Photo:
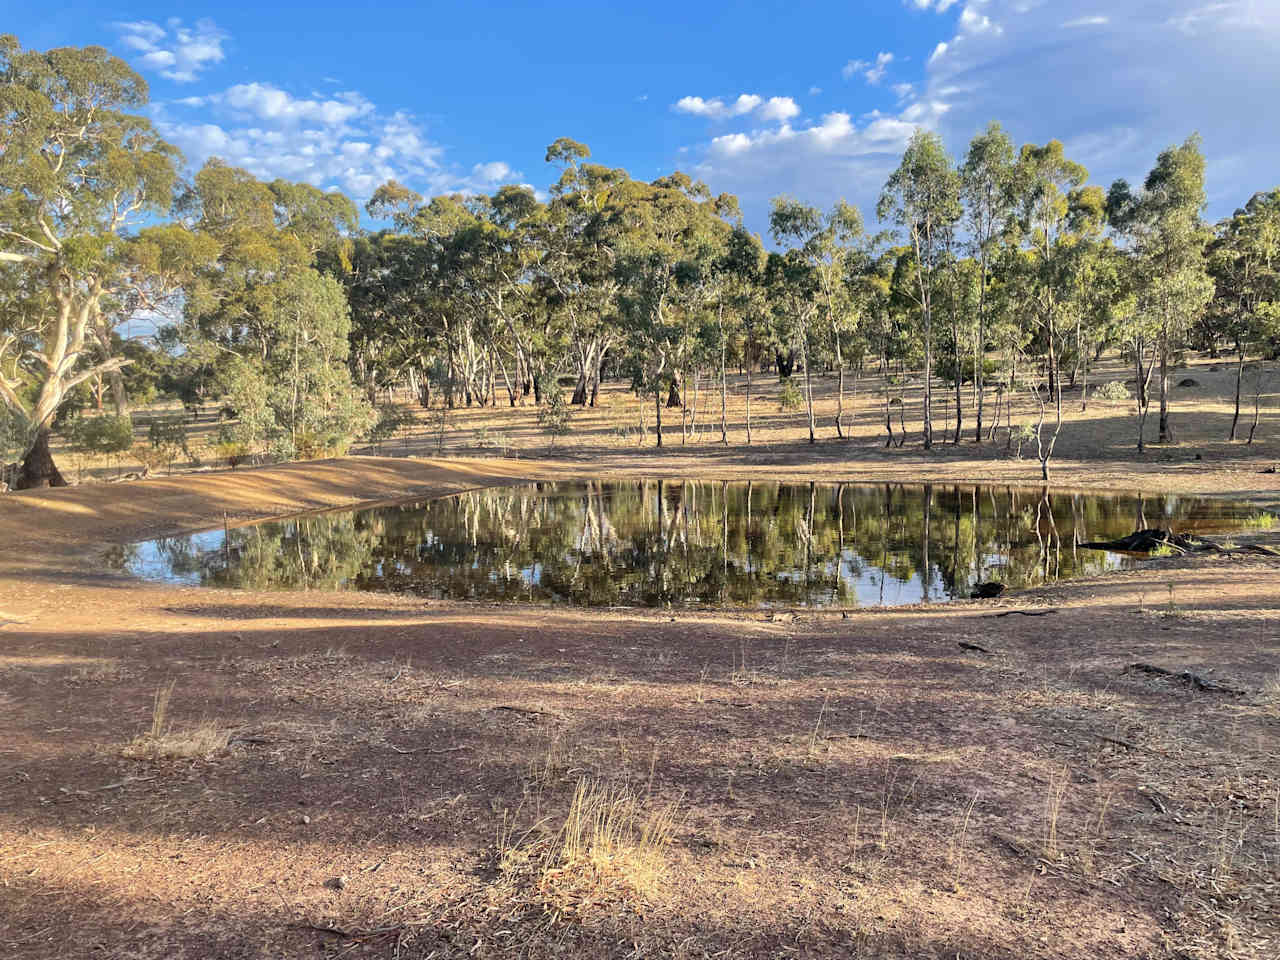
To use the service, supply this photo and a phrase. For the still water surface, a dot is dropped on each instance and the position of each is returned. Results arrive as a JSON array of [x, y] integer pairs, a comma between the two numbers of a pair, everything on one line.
[[654, 542]]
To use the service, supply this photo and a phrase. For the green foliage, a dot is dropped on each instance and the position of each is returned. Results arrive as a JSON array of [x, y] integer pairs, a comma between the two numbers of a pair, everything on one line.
[[13, 444], [1262, 521], [945, 367], [556, 417], [168, 437], [80, 177], [297, 400], [1112, 392], [438, 417], [104, 435], [392, 418], [790, 397]]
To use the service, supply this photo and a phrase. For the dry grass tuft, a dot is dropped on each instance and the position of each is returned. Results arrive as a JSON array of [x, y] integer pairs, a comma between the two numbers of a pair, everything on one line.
[[163, 742], [611, 842], [1271, 689]]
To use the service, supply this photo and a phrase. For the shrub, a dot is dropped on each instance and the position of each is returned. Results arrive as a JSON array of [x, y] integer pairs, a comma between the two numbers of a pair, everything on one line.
[[790, 397], [233, 452], [106, 436], [151, 458], [1113, 392], [392, 418], [439, 419], [556, 417], [168, 437]]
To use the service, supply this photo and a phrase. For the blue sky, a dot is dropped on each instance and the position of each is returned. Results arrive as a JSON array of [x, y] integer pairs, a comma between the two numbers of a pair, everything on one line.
[[813, 99]]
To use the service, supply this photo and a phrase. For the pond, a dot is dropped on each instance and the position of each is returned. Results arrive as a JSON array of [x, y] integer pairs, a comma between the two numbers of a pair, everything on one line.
[[656, 542]]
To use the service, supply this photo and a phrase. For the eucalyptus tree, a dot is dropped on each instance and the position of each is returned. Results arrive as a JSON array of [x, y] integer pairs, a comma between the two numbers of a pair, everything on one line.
[[987, 188], [580, 238], [830, 244], [469, 274], [742, 267], [1169, 241], [273, 328], [960, 294], [709, 282], [923, 198], [391, 340], [792, 283], [80, 178], [1056, 212], [504, 247], [1244, 261], [670, 232], [1104, 305]]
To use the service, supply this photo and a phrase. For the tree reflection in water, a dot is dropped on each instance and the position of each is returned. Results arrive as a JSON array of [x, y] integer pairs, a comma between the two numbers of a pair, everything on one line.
[[653, 542]]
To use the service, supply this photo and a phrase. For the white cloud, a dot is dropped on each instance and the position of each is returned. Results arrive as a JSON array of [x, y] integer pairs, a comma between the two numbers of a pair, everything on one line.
[[1115, 93], [717, 108], [343, 142], [814, 91], [971, 21], [494, 172], [775, 109], [1119, 92], [266, 102], [873, 73], [940, 6], [1210, 17], [778, 109], [179, 53], [699, 107], [821, 161]]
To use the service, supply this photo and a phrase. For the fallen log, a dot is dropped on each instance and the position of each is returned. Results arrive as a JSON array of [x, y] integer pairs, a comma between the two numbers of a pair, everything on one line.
[[1185, 676], [1152, 540], [1149, 541]]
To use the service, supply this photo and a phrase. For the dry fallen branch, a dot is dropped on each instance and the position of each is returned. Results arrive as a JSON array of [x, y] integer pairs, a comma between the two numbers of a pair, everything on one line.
[[352, 935], [1186, 676], [426, 750], [529, 711]]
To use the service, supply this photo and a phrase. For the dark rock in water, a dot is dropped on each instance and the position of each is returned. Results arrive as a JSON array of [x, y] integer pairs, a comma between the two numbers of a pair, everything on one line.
[[1215, 368], [1188, 382], [987, 591]]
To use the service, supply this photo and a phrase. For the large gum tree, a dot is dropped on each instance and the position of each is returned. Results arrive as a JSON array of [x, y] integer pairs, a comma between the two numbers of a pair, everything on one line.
[[78, 176], [922, 197]]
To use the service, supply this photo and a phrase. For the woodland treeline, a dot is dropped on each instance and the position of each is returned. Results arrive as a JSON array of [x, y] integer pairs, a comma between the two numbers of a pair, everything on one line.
[[1002, 276]]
